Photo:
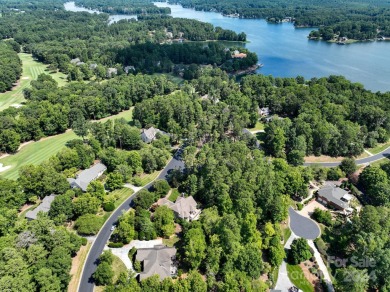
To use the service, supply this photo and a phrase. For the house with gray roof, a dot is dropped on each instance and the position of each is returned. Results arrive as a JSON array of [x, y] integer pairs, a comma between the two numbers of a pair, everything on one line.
[[129, 68], [75, 61], [184, 208], [158, 260], [149, 135], [44, 207], [111, 72], [334, 196], [84, 178]]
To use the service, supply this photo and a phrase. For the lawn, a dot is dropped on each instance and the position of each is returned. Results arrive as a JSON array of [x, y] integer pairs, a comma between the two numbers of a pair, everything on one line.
[[37, 152], [119, 196], [171, 241], [31, 70], [173, 196], [118, 267], [379, 148], [297, 277], [259, 127], [147, 178]]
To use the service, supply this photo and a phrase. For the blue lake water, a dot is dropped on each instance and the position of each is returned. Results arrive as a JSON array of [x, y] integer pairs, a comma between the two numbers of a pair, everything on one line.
[[286, 52], [71, 6]]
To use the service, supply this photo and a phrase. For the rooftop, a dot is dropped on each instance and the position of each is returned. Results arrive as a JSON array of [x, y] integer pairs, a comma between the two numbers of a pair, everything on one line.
[[86, 176], [157, 260], [335, 195], [44, 206]]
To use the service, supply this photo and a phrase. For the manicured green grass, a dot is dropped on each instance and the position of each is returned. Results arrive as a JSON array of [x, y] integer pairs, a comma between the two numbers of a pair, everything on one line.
[[35, 153], [31, 70], [119, 267], [174, 194], [379, 148], [127, 115], [297, 277], [286, 234], [259, 126], [380, 162], [171, 77], [119, 196], [147, 178]]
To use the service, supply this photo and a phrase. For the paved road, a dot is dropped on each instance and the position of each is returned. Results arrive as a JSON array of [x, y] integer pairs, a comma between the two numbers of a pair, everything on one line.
[[86, 284], [385, 153], [302, 226]]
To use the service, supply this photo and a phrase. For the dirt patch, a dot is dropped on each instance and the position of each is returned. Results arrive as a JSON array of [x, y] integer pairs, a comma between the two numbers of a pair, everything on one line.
[[77, 266], [312, 278], [322, 158], [24, 208], [178, 228]]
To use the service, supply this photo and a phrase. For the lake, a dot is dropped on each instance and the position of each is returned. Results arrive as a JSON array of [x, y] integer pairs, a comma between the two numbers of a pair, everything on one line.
[[71, 6], [286, 52]]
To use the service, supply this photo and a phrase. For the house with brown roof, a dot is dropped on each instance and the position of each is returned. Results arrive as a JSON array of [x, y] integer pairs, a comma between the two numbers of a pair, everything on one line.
[[184, 208], [158, 260]]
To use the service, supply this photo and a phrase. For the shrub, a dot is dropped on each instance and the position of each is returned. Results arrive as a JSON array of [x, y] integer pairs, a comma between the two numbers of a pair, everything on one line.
[[88, 224], [137, 181], [84, 241], [115, 244], [321, 246], [103, 274], [109, 206], [132, 252], [137, 266], [161, 187], [324, 217], [299, 252], [299, 206]]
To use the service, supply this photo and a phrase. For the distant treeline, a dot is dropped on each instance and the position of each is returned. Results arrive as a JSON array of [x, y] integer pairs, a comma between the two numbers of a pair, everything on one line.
[[353, 19], [124, 6]]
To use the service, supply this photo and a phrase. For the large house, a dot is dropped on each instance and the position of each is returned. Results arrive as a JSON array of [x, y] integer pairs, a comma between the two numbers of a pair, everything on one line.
[[44, 207], [334, 196], [84, 178], [149, 135], [157, 260], [184, 208]]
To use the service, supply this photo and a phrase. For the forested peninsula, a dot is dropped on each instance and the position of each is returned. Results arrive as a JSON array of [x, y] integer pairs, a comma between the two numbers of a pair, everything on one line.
[[355, 20]]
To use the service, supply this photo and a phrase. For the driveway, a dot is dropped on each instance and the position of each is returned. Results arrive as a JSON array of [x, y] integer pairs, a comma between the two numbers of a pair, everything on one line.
[[284, 282], [302, 226], [123, 252], [309, 208]]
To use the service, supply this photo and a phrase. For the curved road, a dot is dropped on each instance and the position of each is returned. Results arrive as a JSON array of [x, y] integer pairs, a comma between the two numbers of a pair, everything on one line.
[[86, 283], [384, 154], [303, 226]]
